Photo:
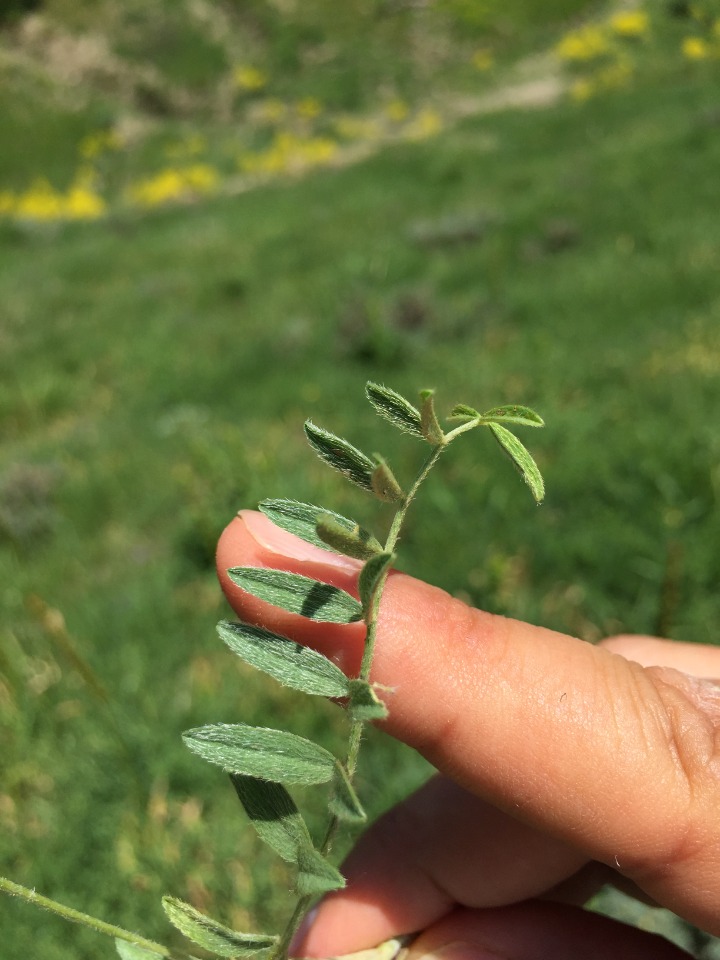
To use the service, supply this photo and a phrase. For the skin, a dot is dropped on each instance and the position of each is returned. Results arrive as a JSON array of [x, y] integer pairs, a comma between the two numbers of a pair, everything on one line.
[[562, 766]]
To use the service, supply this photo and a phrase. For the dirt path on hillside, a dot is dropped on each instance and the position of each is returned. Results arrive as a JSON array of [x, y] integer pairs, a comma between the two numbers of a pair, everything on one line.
[[44, 49], [533, 84]]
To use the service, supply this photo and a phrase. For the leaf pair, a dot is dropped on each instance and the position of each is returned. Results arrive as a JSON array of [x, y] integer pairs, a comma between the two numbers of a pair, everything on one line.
[[376, 477], [508, 413], [520, 456], [260, 762]]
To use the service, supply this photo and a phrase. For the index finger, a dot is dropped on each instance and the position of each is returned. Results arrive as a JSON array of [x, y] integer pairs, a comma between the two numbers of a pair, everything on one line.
[[618, 760]]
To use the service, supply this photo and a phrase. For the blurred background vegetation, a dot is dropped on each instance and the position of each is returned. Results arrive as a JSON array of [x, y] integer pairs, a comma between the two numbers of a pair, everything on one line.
[[217, 219]]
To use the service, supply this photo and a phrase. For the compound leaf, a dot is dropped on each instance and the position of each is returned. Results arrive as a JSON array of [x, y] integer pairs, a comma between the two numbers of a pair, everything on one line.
[[298, 594], [261, 752]]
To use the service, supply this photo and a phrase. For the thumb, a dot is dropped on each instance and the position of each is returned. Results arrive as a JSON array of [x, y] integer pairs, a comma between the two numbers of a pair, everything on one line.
[[618, 760]]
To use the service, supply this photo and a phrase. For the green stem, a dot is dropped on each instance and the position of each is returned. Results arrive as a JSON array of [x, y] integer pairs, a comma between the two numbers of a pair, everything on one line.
[[109, 929], [372, 620], [293, 924], [356, 728], [399, 518], [463, 428]]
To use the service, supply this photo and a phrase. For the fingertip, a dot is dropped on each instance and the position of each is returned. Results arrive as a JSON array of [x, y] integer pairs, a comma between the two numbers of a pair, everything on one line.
[[250, 539], [343, 924]]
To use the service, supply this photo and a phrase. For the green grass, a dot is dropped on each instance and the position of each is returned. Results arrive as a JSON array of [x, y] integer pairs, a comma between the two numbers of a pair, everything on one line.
[[154, 376]]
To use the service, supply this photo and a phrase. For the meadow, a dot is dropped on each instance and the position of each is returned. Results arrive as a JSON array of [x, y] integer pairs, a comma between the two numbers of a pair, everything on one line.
[[176, 298]]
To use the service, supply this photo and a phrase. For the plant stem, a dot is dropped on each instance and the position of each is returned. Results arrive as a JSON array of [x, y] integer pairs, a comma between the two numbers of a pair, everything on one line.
[[356, 728], [372, 620], [110, 930], [463, 428], [293, 924]]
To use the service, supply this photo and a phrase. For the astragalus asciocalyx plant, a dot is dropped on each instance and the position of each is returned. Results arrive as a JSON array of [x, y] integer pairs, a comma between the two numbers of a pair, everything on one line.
[[263, 763]]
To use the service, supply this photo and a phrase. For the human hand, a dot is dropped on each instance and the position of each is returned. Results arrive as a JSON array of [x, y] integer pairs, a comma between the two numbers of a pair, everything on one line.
[[562, 766]]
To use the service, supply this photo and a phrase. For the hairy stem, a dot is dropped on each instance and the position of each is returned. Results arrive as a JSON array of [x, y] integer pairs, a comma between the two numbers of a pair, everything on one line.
[[109, 929], [356, 728]]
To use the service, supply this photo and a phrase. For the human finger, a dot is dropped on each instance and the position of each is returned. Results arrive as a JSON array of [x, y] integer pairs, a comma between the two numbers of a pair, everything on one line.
[[619, 761], [440, 848], [698, 659], [538, 930]]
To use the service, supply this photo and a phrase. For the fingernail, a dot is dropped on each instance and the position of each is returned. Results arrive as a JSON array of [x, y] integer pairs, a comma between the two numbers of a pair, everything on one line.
[[284, 544], [458, 950]]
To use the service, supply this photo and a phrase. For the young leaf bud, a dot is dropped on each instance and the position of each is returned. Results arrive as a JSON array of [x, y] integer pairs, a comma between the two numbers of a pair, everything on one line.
[[431, 429], [384, 485], [357, 543]]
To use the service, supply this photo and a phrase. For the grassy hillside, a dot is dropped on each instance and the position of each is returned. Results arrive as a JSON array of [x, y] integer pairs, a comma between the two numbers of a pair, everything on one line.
[[157, 362], [107, 96]]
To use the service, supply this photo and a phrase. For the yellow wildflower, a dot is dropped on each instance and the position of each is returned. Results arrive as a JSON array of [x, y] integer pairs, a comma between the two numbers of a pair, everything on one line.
[[629, 23], [82, 203], [39, 202], [695, 48], [201, 177], [289, 153], [249, 78], [173, 184], [588, 43]]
